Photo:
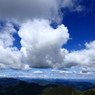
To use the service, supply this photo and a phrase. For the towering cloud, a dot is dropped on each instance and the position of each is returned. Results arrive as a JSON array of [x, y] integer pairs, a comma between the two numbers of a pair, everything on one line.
[[41, 44]]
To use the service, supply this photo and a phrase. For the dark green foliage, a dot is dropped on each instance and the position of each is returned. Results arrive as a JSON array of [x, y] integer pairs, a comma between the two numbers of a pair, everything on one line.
[[64, 90], [90, 92]]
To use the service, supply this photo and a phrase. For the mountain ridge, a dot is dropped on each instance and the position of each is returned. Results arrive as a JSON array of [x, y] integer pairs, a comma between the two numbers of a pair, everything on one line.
[[24, 88]]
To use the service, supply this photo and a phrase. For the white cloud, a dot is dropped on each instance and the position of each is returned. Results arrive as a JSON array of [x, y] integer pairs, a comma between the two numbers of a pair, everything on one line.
[[10, 56], [38, 72], [6, 35], [41, 44], [41, 48], [83, 59]]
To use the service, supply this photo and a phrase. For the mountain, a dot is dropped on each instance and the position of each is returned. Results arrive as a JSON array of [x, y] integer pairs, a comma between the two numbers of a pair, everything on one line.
[[65, 90], [28, 80], [82, 86], [62, 90], [43, 82], [24, 88], [8, 81]]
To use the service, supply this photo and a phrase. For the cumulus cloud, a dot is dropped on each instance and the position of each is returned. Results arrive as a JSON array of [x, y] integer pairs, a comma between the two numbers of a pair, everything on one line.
[[41, 44], [10, 56], [41, 48], [83, 59]]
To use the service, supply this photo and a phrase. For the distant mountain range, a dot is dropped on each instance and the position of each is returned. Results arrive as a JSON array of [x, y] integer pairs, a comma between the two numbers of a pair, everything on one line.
[[8, 81], [11, 86], [79, 85]]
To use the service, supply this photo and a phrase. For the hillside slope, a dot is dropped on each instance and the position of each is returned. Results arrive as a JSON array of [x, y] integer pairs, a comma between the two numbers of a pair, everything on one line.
[[24, 88]]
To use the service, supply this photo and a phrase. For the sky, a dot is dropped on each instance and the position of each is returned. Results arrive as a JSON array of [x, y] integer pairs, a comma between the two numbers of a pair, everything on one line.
[[47, 39]]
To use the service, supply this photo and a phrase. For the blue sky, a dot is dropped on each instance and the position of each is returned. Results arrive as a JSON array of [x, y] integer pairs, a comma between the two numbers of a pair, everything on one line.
[[47, 39], [81, 28]]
